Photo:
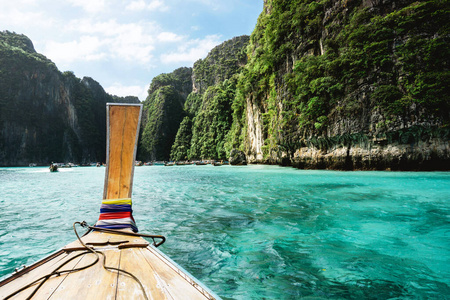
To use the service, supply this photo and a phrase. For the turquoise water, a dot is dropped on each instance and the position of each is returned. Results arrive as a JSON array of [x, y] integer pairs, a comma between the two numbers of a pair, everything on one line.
[[256, 232]]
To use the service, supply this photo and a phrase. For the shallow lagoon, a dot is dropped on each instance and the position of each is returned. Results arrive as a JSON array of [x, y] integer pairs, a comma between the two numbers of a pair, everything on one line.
[[255, 232]]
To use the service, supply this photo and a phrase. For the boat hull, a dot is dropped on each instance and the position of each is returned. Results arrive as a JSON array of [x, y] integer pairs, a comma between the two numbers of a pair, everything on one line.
[[160, 277]]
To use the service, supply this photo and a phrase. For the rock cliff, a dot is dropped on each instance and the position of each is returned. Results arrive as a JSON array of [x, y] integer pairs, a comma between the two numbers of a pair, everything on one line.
[[348, 85], [355, 84], [46, 115], [163, 113], [188, 112]]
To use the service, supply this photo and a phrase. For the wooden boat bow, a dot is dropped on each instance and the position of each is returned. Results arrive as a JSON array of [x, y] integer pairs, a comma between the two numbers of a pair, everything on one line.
[[111, 261]]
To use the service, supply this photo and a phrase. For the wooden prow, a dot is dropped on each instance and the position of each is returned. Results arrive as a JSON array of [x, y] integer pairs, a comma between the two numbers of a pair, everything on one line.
[[123, 121]]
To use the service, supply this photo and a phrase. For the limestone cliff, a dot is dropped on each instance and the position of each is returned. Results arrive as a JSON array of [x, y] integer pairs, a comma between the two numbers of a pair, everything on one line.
[[46, 115], [163, 113], [188, 112], [347, 85]]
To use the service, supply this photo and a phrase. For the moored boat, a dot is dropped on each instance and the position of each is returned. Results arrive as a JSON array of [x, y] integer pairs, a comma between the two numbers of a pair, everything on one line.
[[111, 260], [53, 167]]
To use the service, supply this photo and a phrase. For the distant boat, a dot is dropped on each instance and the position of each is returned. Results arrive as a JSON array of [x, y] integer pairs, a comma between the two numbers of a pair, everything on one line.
[[183, 163], [32, 165], [139, 163], [200, 163], [169, 164], [217, 163], [111, 260]]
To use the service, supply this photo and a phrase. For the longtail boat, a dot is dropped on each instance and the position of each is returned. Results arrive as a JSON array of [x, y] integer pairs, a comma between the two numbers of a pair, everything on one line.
[[111, 260]]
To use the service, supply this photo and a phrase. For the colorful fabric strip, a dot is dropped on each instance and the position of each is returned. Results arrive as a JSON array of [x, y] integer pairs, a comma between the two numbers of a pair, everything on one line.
[[117, 201], [112, 208], [116, 214]]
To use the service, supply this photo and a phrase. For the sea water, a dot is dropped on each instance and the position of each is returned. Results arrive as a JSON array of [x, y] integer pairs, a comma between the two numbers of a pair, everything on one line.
[[255, 232]]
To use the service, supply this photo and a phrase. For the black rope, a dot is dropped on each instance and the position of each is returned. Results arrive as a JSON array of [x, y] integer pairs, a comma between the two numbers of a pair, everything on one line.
[[152, 236]]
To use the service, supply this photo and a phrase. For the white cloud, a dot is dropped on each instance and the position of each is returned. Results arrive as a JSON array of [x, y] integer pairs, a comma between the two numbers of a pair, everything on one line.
[[89, 5], [21, 14], [128, 90], [169, 37], [214, 4], [140, 5], [192, 50], [110, 39], [87, 48]]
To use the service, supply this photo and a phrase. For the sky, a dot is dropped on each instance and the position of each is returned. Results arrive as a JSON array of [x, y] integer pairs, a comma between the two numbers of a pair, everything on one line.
[[124, 44]]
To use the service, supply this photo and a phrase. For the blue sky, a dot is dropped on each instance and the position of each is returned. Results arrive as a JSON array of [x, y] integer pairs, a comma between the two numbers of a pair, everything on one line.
[[124, 44]]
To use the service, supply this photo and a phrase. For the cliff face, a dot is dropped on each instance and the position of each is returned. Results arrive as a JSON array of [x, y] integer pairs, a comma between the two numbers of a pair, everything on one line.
[[46, 115], [347, 85], [221, 63], [163, 113], [188, 112]]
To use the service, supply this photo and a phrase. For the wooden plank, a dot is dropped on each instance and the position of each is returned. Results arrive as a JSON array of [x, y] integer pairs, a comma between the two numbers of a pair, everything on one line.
[[133, 261], [54, 284], [92, 283], [33, 275], [123, 130], [176, 284]]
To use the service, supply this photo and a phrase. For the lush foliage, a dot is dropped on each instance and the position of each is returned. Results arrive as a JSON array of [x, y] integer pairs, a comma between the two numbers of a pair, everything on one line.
[[315, 63], [164, 109], [209, 105], [213, 122], [181, 146], [46, 115]]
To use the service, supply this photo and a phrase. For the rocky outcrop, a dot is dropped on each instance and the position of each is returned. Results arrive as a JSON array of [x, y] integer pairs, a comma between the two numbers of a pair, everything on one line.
[[424, 156], [237, 158]]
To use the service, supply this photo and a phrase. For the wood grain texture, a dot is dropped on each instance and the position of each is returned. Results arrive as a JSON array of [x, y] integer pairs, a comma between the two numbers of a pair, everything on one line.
[[123, 130], [160, 278], [92, 283], [49, 286]]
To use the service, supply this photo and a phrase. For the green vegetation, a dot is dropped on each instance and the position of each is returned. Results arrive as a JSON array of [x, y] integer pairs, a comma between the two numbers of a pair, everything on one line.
[[164, 114], [209, 106], [314, 64], [213, 122], [347, 61], [181, 146]]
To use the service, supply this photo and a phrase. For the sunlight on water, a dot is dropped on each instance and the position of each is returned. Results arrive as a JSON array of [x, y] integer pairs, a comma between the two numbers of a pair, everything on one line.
[[255, 232]]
